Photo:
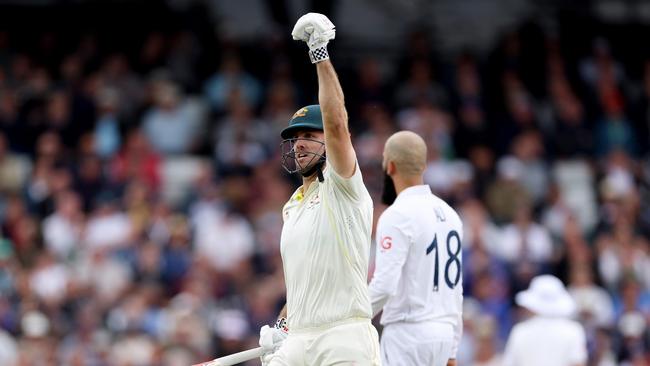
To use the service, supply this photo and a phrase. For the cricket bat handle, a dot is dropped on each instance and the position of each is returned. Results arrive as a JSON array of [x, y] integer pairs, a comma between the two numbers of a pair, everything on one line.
[[235, 358]]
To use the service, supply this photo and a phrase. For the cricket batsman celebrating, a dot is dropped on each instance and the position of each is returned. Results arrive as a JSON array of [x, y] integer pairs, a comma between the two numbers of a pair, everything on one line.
[[325, 239]]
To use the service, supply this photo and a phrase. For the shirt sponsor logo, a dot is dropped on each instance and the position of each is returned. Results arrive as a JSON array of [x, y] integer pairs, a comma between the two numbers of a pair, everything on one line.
[[313, 202], [386, 242]]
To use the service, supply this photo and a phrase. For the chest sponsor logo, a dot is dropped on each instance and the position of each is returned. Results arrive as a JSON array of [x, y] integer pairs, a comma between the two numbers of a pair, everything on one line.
[[313, 201]]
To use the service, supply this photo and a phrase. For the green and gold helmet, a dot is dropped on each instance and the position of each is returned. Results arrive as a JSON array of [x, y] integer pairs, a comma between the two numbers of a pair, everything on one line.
[[305, 118]]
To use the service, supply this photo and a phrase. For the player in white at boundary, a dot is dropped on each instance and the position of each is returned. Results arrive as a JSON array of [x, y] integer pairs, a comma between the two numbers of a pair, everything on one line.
[[325, 240], [550, 337], [418, 271]]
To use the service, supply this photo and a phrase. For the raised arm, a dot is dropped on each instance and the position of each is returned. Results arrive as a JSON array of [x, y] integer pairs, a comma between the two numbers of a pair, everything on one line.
[[338, 144], [316, 30]]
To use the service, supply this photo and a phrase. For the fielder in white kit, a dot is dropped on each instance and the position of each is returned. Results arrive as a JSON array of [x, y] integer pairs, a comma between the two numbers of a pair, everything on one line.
[[418, 271], [326, 234], [549, 336]]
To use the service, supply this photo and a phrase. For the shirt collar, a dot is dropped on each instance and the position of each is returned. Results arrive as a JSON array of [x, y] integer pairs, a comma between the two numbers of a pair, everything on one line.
[[300, 193], [415, 191]]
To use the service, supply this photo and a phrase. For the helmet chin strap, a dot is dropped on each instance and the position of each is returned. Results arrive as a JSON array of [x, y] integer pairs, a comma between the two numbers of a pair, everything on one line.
[[317, 168]]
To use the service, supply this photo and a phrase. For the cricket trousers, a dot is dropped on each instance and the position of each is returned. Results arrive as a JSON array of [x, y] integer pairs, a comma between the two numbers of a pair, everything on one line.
[[416, 344], [347, 342]]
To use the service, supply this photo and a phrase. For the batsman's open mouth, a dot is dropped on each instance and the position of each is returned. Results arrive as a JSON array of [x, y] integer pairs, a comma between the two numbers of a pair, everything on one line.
[[303, 158]]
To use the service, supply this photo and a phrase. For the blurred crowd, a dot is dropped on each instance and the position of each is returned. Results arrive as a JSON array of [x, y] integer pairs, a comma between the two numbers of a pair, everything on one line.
[[140, 194]]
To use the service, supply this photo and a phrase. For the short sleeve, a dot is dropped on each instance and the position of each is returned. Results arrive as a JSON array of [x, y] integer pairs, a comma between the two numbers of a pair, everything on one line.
[[393, 245], [351, 188]]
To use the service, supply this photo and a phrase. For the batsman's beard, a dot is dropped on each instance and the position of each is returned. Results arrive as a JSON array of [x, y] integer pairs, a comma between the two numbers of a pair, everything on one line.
[[312, 162], [389, 194]]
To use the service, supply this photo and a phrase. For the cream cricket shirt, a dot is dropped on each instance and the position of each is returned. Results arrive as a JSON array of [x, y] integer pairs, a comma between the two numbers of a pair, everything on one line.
[[325, 246]]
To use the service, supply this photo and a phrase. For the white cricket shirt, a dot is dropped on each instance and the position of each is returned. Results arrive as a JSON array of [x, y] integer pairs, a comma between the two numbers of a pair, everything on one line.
[[325, 246], [542, 341], [418, 269]]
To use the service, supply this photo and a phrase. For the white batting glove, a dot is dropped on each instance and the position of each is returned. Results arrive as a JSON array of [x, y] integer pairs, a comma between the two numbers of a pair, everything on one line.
[[316, 30], [267, 358], [271, 338]]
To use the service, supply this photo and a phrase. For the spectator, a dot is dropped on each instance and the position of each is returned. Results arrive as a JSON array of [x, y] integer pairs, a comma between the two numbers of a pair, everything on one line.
[[633, 332], [486, 351], [49, 280], [370, 86], [229, 79], [241, 139], [89, 180], [223, 238], [521, 113], [107, 134], [280, 105], [506, 193], [420, 87], [572, 135], [528, 148], [137, 161], [108, 227], [116, 74], [594, 305], [524, 240], [173, 125], [614, 130], [62, 229], [14, 168], [622, 251]]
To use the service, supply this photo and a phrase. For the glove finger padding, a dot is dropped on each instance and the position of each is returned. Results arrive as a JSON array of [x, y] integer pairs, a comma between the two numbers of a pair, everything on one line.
[[320, 39], [321, 22], [266, 338], [271, 338], [302, 29], [313, 24]]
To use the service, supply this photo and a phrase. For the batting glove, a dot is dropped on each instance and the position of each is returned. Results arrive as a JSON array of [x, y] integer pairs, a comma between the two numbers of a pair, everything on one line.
[[271, 338], [316, 30]]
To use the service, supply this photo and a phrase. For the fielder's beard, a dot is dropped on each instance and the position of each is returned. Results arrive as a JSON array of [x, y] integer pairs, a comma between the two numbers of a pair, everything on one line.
[[389, 194]]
